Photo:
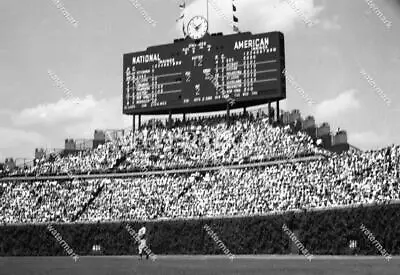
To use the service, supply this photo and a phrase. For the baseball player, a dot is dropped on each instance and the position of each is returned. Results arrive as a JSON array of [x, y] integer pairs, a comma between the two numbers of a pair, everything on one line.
[[142, 243]]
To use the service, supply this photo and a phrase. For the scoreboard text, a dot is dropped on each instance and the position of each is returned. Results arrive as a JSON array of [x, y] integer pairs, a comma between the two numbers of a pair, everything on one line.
[[239, 68]]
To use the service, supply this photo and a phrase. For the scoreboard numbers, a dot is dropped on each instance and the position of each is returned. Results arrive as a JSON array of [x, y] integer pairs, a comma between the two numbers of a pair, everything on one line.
[[203, 74]]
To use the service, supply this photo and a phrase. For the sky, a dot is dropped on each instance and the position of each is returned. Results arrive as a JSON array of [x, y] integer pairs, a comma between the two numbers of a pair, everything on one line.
[[61, 63]]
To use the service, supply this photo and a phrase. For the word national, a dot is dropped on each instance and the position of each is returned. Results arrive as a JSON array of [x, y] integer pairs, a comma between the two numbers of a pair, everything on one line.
[[145, 58]]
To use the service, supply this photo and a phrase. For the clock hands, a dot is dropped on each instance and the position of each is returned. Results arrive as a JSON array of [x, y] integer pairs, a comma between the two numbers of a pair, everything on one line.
[[198, 26]]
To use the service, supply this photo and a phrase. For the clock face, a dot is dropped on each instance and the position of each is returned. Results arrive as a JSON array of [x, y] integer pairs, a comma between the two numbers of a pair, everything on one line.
[[197, 27]]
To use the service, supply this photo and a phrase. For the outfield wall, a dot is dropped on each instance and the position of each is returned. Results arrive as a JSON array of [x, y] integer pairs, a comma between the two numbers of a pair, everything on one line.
[[320, 232]]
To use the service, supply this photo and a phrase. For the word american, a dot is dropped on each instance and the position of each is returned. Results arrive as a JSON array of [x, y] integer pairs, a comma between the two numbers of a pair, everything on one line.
[[252, 43]]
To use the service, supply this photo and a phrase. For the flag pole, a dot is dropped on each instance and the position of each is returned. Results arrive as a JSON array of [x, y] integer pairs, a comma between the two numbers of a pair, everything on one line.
[[182, 16], [208, 20]]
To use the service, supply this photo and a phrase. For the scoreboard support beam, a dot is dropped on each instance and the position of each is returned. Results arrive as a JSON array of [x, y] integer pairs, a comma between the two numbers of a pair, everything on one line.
[[140, 121], [228, 112], [170, 119], [133, 123], [270, 118], [244, 111], [184, 117], [277, 112]]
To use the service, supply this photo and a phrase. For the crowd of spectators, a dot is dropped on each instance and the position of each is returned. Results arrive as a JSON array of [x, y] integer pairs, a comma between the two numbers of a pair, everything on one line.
[[99, 160], [46, 201], [338, 180], [211, 142], [192, 143], [327, 180]]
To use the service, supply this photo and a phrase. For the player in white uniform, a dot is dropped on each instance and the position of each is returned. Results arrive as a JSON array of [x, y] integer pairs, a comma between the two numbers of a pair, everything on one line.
[[142, 243]]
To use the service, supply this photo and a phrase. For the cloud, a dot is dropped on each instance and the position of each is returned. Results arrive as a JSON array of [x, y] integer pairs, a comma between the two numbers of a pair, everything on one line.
[[388, 124], [5, 112], [339, 105], [76, 120], [368, 140], [52, 122], [106, 115], [333, 24], [255, 15], [15, 137], [51, 114], [19, 142]]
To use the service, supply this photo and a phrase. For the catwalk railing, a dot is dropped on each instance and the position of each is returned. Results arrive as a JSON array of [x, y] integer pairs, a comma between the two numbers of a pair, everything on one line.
[[160, 172]]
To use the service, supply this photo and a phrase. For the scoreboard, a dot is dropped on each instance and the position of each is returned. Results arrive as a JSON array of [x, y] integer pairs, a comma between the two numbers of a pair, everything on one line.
[[204, 75]]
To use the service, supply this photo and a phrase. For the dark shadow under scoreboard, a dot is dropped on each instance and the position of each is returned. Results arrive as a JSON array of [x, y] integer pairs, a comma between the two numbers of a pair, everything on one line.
[[203, 75]]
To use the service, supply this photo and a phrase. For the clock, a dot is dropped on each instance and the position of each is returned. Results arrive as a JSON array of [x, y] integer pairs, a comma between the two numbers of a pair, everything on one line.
[[197, 27]]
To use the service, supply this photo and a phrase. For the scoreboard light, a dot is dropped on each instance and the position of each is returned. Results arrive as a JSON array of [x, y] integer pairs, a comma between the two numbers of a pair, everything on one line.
[[199, 75]]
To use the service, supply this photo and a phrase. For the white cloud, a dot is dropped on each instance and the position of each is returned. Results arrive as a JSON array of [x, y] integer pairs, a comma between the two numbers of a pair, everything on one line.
[[5, 112], [331, 24], [50, 114], [255, 15], [18, 143], [389, 125], [15, 137], [339, 105], [107, 114], [367, 140], [58, 120], [76, 120]]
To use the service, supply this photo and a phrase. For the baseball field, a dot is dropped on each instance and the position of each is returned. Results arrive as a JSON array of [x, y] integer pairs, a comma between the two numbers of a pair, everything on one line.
[[201, 265]]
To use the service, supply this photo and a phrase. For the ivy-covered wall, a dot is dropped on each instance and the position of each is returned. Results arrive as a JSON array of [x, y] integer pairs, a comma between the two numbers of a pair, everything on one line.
[[322, 232]]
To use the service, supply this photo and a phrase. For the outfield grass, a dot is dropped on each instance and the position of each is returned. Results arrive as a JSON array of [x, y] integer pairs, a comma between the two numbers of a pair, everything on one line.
[[202, 265]]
